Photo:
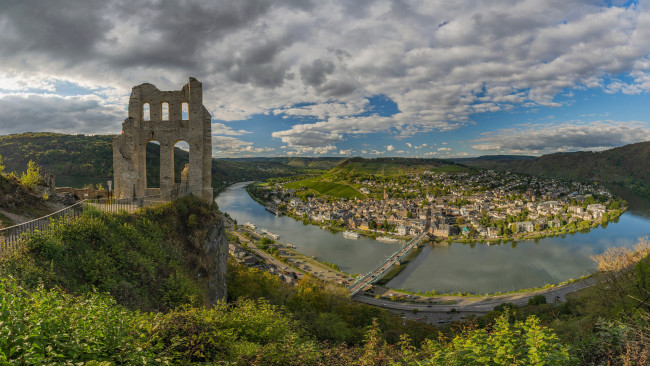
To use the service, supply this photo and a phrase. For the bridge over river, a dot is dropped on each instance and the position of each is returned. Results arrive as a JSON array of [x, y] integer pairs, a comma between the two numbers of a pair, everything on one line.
[[378, 272]]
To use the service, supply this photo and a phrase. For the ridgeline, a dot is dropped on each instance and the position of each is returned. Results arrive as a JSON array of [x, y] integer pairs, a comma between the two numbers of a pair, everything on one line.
[[77, 160], [627, 165]]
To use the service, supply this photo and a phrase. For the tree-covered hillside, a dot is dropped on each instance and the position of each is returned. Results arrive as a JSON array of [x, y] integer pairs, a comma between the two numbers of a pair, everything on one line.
[[397, 166], [324, 163], [90, 159], [628, 165]]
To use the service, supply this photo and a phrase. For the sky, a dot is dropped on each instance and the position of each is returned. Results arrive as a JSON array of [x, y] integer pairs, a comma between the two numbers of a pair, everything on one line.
[[430, 78]]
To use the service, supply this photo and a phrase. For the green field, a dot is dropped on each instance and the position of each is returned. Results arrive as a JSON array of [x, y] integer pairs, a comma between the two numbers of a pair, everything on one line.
[[333, 189]]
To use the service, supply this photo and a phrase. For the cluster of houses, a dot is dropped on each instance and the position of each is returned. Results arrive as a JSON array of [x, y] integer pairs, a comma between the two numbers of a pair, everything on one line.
[[478, 205]]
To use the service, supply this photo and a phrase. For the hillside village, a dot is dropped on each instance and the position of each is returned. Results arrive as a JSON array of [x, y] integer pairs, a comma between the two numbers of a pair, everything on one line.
[[487, 205]]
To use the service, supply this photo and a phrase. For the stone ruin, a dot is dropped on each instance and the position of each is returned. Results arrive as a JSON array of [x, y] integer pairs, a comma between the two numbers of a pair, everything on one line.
[[166, 117]]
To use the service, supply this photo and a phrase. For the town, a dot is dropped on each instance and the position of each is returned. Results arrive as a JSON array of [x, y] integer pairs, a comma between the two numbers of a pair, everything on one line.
[[489, 205]]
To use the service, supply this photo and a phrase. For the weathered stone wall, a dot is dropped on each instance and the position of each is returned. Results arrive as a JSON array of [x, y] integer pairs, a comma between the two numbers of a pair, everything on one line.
[[129, 148]]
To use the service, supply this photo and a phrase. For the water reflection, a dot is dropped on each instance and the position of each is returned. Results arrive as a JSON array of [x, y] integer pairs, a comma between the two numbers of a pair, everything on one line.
[[352, 256], [476, 268], [534, 263]]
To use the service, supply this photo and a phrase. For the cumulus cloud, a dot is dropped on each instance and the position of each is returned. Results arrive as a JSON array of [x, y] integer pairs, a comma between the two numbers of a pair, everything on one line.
[[390, 148], [440, 64], [547, 138], [446, 149], [44, 112], [228, 145], [222, 129], [319, 150]]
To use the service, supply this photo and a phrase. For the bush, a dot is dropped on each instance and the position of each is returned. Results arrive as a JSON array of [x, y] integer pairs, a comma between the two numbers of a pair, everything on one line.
[[537, 300], [52, 327], [32, 176], [150, 260]]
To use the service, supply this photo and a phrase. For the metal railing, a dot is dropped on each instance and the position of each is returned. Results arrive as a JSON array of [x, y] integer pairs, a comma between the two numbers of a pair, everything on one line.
[[10, 237]]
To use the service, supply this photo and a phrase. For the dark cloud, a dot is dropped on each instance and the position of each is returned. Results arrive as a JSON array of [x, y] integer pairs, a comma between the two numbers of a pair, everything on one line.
[[316, 73], [67, 30], [35, 112], [440, 62]]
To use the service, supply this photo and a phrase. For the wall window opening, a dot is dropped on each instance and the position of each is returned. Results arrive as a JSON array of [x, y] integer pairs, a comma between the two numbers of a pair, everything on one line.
[[146, 112], [185, 110], [165, 111], [181, 160]]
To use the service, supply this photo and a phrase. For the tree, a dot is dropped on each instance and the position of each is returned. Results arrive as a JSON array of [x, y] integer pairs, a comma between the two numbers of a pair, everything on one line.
[[2, 167], [32, 176]]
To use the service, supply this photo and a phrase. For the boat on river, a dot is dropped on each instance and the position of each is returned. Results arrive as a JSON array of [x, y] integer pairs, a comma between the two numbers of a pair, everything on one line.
[[387, 239], [271, 234], [250, 225], [350, 235]]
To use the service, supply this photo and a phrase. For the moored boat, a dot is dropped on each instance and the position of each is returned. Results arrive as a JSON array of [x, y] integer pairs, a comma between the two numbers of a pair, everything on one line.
[[271, 234]]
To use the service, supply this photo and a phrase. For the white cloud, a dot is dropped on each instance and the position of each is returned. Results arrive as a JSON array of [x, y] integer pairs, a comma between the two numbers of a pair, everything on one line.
[[224, 145], [390, 148], [321, 61], [547, 138], [446, 149], [221, 129]]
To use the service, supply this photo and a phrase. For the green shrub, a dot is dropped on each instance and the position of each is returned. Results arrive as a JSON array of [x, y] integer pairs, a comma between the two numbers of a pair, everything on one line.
[[32, 176], [150, 260], [52, 327], [537, 300]]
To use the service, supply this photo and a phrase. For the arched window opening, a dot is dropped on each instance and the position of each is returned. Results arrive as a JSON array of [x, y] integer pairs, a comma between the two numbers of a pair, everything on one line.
[[152, 164], [165, 111], [146, 112], [185, 111], [181, 160]]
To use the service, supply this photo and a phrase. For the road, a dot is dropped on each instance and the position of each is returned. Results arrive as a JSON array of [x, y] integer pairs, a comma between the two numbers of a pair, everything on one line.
[[476, 305]]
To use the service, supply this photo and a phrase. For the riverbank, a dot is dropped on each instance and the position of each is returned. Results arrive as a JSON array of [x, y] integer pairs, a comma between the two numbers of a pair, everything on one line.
[[452, 269], [571, 226]]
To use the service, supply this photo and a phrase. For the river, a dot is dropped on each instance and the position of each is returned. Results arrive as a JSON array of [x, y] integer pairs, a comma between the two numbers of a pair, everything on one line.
[[474, 268]]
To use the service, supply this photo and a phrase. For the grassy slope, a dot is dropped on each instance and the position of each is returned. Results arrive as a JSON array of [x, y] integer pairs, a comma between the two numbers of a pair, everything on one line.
[[18, 199], [333, 189], [150, 260], [331, 183]]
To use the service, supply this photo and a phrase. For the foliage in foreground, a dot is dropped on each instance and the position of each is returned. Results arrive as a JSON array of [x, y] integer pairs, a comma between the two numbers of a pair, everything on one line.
[[150, 260], [51, 326], [266, 322]]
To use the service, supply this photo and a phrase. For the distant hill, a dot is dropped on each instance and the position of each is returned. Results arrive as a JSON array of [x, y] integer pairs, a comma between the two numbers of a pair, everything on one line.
[[628, 165], [396, 166], [489, 159], [324, 163], [77, 160]]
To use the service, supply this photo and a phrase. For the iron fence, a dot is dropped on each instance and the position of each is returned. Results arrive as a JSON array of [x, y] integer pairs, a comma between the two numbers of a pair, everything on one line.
[[10, 237]]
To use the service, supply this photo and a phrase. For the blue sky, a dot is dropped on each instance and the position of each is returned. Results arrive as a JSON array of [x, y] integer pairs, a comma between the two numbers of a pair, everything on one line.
[[339, 78]]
